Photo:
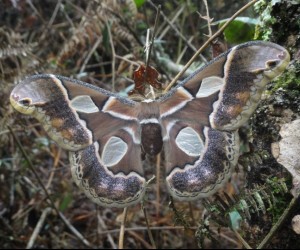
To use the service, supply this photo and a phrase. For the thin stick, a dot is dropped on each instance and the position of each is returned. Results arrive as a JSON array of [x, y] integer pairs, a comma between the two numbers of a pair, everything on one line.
[[38, 228], [89, 55], [192, 213], [31, 167], [122, 229], [191, 46], [74, 230], [55, 164], [113, 62], [48, 26], [178, 13], [148, 228], [157, 205], [241, 239], [152, 38], [281, 220], [141, 239], [183, 51], [104, 227], [208, 19], [207, 43], [148, 49]]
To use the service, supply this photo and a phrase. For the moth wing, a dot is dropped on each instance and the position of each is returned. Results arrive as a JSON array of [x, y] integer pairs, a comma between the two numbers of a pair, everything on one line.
[[99, 129], [224, 93], [201, 116]]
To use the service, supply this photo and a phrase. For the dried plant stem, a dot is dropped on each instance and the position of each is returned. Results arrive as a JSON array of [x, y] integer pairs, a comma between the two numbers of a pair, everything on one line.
[[207, 43], [191, 46], [38, 228], [55, 164], [148, 228], [177, 14], [122, 229], [89, 55], [148, 54], [157, 204], [102, 226], [31, 167], [74, 230], [241, 239], [208, 18], [191, 210], [113, 62], [48, 26], [294, 202], [141, 239]]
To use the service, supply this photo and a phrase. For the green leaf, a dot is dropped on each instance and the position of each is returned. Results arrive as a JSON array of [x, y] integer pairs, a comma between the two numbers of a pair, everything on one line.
[[65, 202], [105, 39], [139, 3], [240, 30], [235, 220]]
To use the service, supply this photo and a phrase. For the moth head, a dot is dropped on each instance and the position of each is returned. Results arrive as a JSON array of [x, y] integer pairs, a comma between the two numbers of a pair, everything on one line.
[[27, 95]]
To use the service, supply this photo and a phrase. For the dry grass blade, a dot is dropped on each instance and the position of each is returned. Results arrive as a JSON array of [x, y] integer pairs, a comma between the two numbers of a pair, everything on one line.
[[122, 229], [207, 43], [38, 228], [67, 223]]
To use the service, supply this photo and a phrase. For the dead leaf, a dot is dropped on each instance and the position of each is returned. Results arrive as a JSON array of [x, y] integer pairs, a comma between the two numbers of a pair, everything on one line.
[[287, 152]]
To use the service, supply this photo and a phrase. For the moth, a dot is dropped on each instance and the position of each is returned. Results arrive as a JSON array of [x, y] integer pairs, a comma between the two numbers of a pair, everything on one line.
[[195, 125]]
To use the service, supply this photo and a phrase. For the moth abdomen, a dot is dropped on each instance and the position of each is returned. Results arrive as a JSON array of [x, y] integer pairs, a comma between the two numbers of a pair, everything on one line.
[[151, 138]]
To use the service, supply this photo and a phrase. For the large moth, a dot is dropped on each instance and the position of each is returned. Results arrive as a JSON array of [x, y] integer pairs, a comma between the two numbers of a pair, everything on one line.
[[195, 125]]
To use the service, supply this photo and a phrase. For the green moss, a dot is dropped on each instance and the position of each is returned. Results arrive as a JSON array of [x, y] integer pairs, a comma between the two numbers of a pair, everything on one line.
[[264, 9], [290, 80]]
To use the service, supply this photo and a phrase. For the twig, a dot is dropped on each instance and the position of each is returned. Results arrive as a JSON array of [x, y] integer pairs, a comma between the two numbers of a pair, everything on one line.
[[31, 167], [207, 43], [74, 230], [29, 2], [226, 237], [133, 33], [127, 60], [148, 49], [86, 60], [138, 237], [208, 18], [148, 54], [241, 239], [104, 227], [281, 220], [113, 54], [178, 13], [55, 164], [191, 210], [145, 229], [157, 205], [148, 228], [122, 229], [47, 28], [177, 31], [183, 51], [7, 225], [38, 228]]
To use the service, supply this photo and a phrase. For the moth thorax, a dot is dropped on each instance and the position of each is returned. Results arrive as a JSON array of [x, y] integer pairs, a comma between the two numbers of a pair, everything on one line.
[[151, 138]]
